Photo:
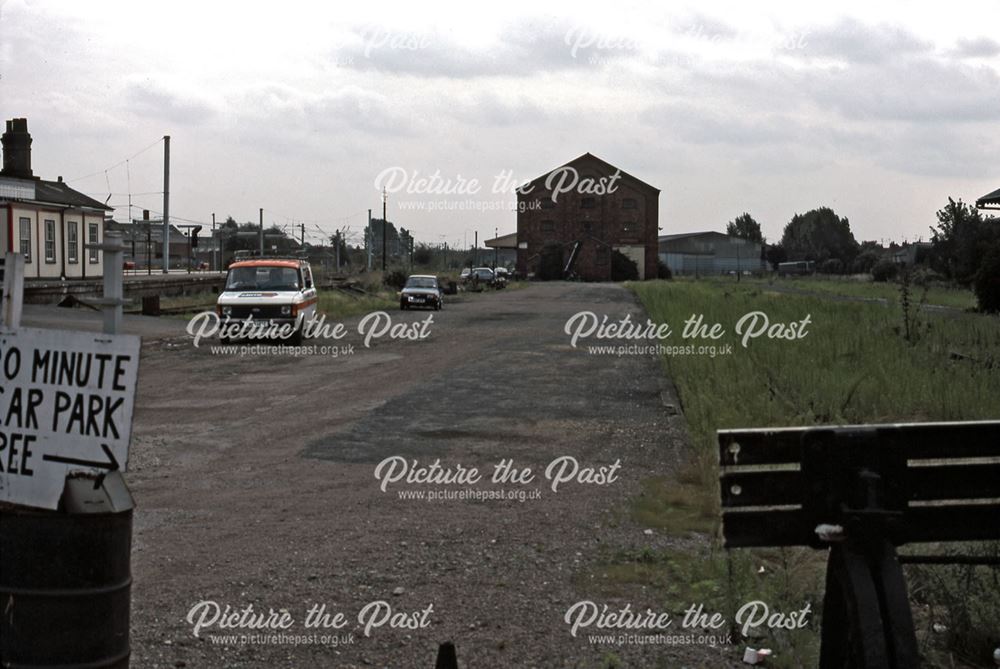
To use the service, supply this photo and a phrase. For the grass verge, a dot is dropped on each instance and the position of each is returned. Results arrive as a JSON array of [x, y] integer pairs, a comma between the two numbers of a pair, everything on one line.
[[854, 366]]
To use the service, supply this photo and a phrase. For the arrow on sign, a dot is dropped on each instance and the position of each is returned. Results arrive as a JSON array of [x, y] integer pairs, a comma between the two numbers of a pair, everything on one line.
[[111, 465]]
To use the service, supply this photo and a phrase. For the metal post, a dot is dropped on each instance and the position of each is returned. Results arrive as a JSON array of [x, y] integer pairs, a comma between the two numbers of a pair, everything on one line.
[[385, 227], [261, 232], [113, 289], [215, 247], [369, 240], [166, 204], [13, 290]]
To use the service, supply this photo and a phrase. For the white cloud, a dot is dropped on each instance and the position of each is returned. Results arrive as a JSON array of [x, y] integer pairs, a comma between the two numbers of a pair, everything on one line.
[[300, 105]]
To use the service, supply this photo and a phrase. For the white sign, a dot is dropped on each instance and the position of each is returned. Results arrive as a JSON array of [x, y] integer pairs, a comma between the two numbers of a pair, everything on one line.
[[66, 401]]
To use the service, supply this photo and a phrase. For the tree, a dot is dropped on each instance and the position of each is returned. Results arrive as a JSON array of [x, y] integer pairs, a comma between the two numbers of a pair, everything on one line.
[[868, 255], [960, 240], [623, 268], [775, 254], [422, 254], [819, 235], [746, 227], [987, 280]]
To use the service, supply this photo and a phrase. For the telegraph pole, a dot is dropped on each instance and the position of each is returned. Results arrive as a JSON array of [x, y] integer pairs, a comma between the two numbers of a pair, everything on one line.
[[302, 235], [496, 249], [166, 204], [337, 241], [385, 227], [262, 232], [215, 247]]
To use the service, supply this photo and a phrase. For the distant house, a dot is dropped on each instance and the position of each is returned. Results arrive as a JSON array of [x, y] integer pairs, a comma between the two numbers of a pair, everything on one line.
[[46, 221], [607, 210], [143, 242], [710, 252]]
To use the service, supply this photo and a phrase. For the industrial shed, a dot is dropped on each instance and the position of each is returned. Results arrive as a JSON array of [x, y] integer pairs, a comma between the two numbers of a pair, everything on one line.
[[695, 253]]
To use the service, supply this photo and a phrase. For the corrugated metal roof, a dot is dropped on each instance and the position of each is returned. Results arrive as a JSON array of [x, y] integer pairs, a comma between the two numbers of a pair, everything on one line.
[[685, 235]]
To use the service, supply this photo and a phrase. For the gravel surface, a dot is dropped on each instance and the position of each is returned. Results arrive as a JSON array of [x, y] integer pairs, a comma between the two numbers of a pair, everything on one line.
[[254, 479]]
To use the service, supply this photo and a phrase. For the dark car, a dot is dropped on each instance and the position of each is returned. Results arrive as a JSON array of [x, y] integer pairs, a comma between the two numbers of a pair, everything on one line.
[[421, 290]]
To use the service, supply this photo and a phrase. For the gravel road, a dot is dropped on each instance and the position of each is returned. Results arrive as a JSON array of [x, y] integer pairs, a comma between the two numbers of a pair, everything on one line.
[[254, 478]]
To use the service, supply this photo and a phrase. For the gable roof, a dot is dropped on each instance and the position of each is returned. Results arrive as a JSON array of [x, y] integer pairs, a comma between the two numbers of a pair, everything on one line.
[[57, 192], [604, 163], [39, 191]]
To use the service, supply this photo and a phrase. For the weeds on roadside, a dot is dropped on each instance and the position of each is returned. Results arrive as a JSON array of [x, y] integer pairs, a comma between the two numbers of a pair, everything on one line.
[[857, 365]]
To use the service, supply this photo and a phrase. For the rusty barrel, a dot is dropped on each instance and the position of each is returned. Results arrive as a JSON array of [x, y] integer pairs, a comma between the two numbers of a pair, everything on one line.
[[65, 585]]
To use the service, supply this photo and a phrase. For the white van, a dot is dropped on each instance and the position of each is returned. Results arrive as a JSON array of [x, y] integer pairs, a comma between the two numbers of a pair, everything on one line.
[[274, 290]]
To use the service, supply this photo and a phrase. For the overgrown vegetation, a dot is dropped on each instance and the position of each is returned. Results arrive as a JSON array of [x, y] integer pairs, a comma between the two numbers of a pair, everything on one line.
[[854, 366]]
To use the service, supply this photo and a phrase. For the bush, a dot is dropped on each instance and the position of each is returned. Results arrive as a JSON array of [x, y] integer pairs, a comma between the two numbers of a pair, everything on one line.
[[987, 281], [623, 268], [865, 262], [884, 270], [832, 266], [395, 278], [662, 271]]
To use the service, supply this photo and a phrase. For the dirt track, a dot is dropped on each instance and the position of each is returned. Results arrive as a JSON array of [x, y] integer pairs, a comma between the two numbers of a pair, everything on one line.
[[254, 482]]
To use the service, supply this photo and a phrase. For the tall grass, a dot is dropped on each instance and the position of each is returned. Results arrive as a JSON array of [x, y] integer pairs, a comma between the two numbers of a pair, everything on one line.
[[934, 293], [853, 366], [342, 304]]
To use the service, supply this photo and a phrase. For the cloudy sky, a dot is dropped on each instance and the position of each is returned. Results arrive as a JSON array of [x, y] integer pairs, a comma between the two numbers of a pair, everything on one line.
[[879, 110]]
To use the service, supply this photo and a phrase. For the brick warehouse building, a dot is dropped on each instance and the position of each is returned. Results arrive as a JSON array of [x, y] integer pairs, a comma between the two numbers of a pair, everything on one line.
[[584, 225]]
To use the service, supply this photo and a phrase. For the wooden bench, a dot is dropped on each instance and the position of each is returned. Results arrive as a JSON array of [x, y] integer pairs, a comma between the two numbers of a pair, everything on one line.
[[860, 491]]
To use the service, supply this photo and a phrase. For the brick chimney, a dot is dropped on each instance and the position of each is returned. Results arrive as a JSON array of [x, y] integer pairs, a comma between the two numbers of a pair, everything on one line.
[[17, 150]]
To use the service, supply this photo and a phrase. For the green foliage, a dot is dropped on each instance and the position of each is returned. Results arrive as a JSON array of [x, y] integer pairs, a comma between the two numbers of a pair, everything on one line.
[[865, 261], [884, 270], [961, 240], [850, 368], [338, 304], [623, 268], [423, 254], [662, 271], [818, 235], [987, 281], [395, 278], [746, 227], [775, 254], [832, 266]]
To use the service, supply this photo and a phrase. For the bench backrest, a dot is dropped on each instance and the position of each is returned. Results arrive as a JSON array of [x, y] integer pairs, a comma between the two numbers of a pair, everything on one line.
[[922, 481]]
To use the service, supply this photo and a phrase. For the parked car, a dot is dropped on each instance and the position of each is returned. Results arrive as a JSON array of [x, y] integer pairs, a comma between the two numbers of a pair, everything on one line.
[[421, 290], [482, 275], [502, 277], [485, 276], [465, 273], [276, 290]]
